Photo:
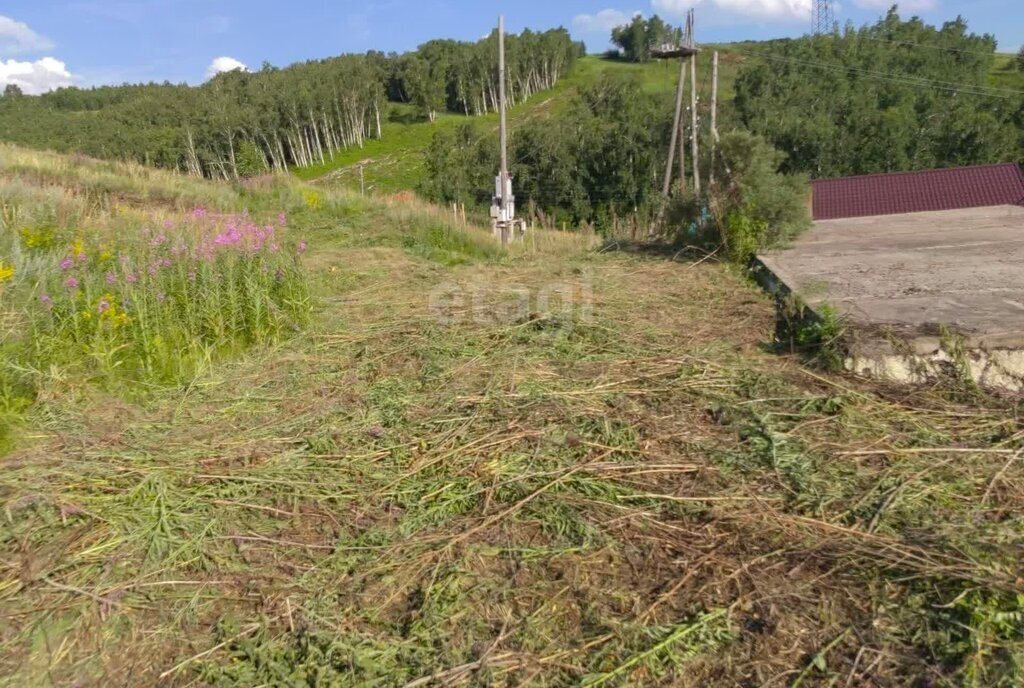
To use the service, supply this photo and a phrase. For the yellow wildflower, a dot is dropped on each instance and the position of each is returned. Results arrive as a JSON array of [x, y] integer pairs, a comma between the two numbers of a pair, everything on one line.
[[314, 201], [6, 272], [40, 238]]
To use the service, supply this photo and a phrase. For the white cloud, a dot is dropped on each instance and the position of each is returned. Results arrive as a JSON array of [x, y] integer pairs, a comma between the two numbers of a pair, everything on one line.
[[603, 22], [768, 9], [35, 77], [758, 10], [909, 5], [224, 64], [16, 38]]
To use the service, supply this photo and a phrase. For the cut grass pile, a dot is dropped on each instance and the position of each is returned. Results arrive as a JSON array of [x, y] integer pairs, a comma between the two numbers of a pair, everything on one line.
[[553, 467]]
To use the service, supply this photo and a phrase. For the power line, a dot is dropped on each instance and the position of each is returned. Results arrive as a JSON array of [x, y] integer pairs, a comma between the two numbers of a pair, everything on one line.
[[906, 79], [928, 47]]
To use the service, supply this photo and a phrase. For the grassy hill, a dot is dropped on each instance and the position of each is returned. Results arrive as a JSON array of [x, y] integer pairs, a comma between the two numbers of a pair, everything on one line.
[[395, 162], [410, 459], [1005, 73]]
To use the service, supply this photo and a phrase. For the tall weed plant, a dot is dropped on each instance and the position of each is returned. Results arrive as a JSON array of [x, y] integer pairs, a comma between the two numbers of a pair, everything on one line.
[[151, 304]]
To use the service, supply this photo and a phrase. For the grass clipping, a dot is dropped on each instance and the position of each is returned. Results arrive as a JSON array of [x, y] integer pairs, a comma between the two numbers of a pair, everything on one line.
[[631, 493]]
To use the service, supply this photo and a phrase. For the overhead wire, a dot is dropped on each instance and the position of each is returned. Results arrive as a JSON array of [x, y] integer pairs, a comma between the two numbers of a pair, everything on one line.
[[906, 79], [926, 46]]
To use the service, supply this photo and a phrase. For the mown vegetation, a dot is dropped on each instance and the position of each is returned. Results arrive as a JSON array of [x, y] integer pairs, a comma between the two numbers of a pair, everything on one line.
[[277, 434], [554, 466], [244, 124]]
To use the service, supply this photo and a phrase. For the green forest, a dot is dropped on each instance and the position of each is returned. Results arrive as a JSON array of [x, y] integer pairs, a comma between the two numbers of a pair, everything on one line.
[[896, 95], [240, 124]]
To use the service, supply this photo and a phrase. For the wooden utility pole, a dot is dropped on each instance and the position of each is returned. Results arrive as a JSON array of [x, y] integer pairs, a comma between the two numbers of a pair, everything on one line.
[[676, 124], [362, 181], [682, 141], [714, 116], [503, 174], [693, 113]]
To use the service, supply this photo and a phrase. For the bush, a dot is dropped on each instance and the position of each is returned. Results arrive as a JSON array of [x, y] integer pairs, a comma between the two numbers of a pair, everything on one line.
[[250, 161], [751, 205]]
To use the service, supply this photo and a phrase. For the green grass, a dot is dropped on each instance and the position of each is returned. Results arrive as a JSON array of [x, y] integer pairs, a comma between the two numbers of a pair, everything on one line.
[[1005, 73], [395, 163], [552, 467]]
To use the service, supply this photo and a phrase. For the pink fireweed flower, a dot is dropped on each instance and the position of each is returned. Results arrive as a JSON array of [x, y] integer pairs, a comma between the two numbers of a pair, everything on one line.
[[191, 275], [282, 219], [229, 238], [132, 278], [168, 224], [274, 248], [161, 297], [279, 275], [67, 264], [46, 300], [159, 240], [82, 257], [71, 283], [165, 263], [152, 271], [302, 247], [103, 306], [199, 213], [111, 278]]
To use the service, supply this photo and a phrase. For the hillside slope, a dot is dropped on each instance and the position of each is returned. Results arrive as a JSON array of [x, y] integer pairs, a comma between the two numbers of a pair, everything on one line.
[[395, 162], [551, 467], [1005, 73]]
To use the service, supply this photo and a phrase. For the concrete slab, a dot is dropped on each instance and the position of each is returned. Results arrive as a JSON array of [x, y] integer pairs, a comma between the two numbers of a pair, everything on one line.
[[910, 275]]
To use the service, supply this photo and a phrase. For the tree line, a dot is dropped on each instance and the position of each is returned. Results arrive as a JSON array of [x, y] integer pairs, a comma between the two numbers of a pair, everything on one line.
[[598, 157], [463, 77], [243, 123], [893, 96], [896, 95], [640, 37]]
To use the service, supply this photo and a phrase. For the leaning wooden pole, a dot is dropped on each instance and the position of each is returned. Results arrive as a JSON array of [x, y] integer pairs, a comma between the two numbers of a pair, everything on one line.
[[682, 141], [694, 153], [676, 124], [714, 116]]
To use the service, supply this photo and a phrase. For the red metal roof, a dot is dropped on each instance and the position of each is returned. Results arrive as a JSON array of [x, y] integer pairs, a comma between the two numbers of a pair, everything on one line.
[[915, 192]]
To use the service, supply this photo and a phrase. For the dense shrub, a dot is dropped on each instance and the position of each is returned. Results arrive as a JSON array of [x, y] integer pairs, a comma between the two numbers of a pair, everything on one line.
[[750, 206]]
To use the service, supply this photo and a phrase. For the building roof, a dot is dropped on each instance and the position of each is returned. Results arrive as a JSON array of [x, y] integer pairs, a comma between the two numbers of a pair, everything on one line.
[[916, 192]]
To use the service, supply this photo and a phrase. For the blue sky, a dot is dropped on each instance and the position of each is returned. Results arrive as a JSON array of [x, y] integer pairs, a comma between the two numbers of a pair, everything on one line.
[[48, 43]]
